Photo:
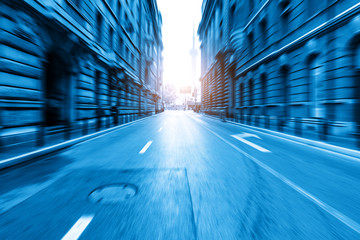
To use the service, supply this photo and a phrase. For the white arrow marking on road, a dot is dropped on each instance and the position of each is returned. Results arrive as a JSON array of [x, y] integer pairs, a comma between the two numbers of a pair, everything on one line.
[[327, 208], [143, 150], [78, 228], [244, 135], [240, 137]]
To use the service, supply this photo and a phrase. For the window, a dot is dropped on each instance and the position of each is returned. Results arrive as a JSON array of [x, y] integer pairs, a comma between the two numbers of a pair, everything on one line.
[[251, 95], [77, 3], [251, 92], [133, 6], [111, 38], [97, 88], [99, 23], [121, 44], [284, 73], [251, 6], [284, 24], [314, 6], [263, 79], [284, 11], [250, 43], [357, 57], [118, 14], [241, 95], [315, 88], [110, 2], [128, 95], [146, 75], [232, 16], [263, 33], [221, 36], [221, 33], [109, 88], [233, 92], [357, 85]]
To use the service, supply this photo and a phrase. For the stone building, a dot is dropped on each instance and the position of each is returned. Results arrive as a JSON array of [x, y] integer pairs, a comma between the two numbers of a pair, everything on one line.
[[64, 61], [214, 35], [265, 60]]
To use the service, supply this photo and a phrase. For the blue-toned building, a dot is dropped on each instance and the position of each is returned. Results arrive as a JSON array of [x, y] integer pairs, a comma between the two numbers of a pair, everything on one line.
[[64, 61], [265, 60]]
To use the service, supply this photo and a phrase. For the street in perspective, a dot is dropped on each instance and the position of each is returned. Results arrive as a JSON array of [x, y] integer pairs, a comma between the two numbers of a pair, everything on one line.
[[193, 119]]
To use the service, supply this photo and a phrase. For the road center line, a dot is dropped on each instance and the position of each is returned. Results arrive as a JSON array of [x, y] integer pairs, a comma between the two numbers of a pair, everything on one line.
[[261, 149], [143, 150], [327, 208], [160, 129], [78, 228]]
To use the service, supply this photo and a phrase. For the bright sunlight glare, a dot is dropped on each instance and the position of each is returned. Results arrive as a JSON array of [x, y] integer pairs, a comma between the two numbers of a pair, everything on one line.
[[180, 20]]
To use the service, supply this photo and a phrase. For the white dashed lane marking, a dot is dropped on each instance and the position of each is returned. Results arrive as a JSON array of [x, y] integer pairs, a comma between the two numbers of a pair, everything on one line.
[[78, 228], [143, 150]]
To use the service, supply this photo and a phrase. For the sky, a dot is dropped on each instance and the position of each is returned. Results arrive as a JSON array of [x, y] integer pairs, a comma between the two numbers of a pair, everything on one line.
[[179, 20]]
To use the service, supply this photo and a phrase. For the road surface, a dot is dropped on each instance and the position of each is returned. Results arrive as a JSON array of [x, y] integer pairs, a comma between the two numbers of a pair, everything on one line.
[[181, 175]]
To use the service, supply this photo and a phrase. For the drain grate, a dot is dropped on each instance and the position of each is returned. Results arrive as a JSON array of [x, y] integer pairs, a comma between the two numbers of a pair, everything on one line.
[[113, 193]]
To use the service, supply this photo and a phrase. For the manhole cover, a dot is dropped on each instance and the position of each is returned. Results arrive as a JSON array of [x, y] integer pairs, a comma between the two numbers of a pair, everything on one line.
[[113, 193]]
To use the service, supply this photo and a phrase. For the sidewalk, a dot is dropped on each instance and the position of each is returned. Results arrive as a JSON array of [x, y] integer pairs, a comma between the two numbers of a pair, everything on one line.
[[342, 145], [27, 151], [30, 146]]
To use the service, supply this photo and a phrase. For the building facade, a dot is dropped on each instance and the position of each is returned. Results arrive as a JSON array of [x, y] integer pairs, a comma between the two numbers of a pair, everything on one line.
[[266, 60], [64, 61]]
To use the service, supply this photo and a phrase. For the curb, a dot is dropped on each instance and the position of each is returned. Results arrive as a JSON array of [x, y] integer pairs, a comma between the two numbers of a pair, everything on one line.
[[300, 140], [9, 162]]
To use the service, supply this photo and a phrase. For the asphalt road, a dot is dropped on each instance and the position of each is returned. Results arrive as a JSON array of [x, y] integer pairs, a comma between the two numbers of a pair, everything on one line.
[[181, 175]]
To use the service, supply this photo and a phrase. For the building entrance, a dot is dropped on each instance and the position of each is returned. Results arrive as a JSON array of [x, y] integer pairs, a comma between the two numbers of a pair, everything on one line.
[[56, 89]]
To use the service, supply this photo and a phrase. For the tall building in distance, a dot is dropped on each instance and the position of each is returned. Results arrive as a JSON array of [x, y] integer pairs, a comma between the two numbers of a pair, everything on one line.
[[67, 61], [194, 53], [283, 62]]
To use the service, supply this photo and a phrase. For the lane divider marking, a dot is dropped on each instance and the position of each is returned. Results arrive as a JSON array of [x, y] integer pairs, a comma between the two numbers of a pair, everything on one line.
[[143, 150], [78, 228], [327, 208], [261, 149], [197, 119]]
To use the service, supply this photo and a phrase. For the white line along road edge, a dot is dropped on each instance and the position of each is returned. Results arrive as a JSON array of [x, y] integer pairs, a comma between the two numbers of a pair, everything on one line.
[[78, 228], [327, 208], [240, 137], [143, 150]]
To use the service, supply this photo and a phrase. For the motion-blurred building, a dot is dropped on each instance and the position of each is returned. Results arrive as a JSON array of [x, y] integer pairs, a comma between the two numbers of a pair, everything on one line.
[[63, 61], [283, 58]]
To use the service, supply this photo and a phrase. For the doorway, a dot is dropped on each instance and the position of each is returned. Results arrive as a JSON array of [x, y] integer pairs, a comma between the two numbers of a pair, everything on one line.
[[284, 72], [263, 81], [56, 86], [357, 86]]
